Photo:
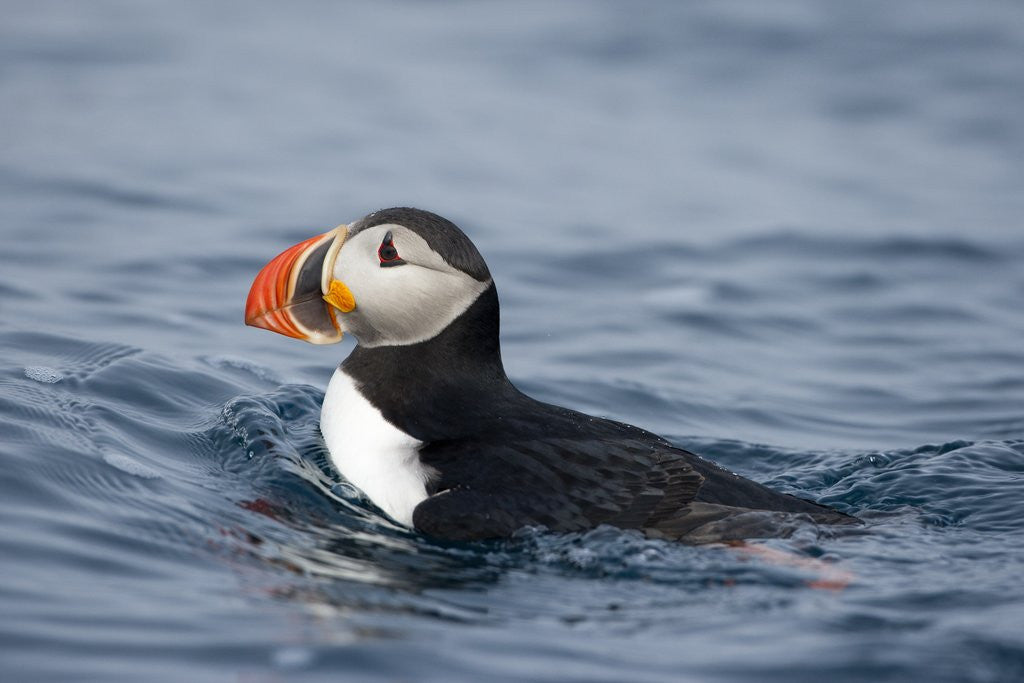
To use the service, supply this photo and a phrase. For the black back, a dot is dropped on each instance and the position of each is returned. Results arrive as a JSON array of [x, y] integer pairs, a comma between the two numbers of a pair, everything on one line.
[[504, 460]]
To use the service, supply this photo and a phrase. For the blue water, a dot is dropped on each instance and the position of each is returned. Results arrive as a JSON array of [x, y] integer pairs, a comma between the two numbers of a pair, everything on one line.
[[785, 235]]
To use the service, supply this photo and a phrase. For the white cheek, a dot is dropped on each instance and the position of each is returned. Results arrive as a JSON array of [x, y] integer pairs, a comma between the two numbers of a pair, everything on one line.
[[358, 273], [402, 304]]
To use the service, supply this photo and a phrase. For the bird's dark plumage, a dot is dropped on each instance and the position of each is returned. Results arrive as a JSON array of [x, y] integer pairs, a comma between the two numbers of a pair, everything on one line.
[[504, 460]]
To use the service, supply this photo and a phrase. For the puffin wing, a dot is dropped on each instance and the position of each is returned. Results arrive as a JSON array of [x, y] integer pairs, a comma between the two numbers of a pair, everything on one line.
[[489, 490]]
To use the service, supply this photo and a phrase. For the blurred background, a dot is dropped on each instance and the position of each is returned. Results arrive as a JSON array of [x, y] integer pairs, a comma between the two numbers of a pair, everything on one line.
[[794, 223], [773, 189]]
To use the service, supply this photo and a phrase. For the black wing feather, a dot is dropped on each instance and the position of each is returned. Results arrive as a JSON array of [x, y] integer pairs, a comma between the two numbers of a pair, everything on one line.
[[488, 489]]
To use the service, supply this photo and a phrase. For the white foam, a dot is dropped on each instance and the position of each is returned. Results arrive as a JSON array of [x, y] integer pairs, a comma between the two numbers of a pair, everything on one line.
[[130, 465], [44, 374]]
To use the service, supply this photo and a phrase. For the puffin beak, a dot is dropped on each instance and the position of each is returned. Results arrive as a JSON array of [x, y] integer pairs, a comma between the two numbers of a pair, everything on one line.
[[295, 294]]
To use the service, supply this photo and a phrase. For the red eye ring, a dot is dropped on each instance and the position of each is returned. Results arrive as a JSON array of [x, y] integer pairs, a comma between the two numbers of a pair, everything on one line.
[[387, 252]]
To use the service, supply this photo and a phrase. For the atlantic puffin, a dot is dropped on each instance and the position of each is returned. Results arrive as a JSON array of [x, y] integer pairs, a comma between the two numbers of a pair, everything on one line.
[[422, 418]]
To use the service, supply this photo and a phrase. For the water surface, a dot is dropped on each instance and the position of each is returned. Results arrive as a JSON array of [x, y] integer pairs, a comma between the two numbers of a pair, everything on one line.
[[787, 238]]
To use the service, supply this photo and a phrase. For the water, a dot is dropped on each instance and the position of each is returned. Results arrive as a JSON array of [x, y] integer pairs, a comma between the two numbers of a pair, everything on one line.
[[785, 236]]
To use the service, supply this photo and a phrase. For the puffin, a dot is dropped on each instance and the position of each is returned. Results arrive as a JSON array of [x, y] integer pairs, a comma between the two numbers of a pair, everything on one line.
[[422, 418]]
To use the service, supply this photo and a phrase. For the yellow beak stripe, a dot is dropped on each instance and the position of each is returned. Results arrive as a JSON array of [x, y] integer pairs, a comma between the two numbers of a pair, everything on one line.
[[339, 296]]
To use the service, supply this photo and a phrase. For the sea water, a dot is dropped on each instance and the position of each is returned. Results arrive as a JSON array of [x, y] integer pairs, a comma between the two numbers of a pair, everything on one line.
[[785, 236]]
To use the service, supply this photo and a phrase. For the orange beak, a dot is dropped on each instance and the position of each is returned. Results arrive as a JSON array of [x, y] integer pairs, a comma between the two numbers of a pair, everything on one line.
[[287, 296]]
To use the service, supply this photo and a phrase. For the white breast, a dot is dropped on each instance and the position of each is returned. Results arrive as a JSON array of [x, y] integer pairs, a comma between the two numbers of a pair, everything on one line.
[[373, 454]]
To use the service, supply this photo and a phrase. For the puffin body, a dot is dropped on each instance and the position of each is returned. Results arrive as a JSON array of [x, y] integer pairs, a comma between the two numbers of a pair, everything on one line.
[[423, 419]]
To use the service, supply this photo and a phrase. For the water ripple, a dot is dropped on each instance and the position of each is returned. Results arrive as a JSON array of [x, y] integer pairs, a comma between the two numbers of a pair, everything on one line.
[[786, 237]]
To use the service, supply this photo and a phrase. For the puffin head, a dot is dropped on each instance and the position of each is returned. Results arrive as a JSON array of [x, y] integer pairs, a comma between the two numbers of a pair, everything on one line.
[[395, 277]]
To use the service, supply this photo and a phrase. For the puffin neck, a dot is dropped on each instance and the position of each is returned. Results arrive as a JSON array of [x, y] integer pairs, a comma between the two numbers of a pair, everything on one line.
[[466, 353]]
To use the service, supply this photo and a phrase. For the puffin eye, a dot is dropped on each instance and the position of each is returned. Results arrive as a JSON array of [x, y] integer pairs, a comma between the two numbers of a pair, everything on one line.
[[387, 253]]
